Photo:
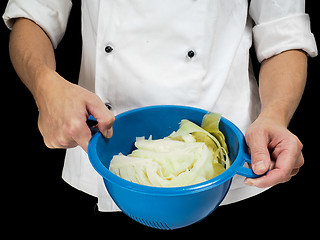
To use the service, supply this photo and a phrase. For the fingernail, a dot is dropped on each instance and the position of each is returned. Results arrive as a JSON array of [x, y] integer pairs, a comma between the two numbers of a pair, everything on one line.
[[259, 167]]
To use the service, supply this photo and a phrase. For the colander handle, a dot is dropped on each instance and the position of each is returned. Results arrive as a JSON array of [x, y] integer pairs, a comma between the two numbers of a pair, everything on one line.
[[244, 171], [92, 122]]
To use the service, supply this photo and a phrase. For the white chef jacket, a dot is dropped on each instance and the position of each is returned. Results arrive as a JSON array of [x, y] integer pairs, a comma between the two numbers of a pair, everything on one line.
[[185, 52]]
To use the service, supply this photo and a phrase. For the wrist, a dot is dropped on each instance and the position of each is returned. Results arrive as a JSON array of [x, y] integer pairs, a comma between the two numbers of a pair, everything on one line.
[[277, 114], [41, 77], [46, 79]]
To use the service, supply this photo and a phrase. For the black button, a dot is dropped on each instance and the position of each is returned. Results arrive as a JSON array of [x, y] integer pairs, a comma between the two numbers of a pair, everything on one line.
[[191, 54], [108, 49]]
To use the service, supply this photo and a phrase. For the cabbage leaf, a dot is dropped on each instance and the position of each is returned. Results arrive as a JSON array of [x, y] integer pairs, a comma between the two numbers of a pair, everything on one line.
[[191, 155]]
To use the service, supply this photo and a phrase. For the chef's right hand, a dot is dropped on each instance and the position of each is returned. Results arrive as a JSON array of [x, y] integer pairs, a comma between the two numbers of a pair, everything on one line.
[[63, 111]]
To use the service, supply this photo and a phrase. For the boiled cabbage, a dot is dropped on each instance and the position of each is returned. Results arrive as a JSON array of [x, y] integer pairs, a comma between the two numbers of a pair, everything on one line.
[[189, 156]]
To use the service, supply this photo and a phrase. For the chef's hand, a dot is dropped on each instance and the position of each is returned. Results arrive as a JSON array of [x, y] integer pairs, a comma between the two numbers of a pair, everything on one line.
[[272, 146], [63, 111]]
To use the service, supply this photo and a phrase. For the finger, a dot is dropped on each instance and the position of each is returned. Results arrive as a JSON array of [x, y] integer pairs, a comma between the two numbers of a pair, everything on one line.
[[300, 161], [282, 171], [103, 116], [62, 142], [79, 132], [268, 180], [294, 172], [298, 165], [260, 157], [105, 122], [57, 140], [82, 137]]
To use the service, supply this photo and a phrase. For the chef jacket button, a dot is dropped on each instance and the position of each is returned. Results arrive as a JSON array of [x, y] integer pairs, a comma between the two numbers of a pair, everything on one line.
[[108, 49], [191, 54]]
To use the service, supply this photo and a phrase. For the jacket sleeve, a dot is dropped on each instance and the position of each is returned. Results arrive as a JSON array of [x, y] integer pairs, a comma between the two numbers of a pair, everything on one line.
[[51, 15], [281, 25]]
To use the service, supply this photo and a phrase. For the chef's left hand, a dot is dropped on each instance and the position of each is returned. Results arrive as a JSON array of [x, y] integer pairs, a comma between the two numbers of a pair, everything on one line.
[[272, 146]]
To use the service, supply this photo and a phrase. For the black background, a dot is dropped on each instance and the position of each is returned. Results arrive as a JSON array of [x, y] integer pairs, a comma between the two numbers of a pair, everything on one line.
[[34, 197]]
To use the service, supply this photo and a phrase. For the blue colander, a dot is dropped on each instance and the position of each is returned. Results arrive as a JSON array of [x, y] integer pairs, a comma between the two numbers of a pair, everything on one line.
[[164, 208]]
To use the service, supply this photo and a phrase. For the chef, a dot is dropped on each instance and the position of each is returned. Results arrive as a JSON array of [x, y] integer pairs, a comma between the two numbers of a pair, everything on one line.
[[183, 52]]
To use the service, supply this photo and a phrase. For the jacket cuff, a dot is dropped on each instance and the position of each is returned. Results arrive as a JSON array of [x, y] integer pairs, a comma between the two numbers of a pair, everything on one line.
[[52, 16], [292, 32]]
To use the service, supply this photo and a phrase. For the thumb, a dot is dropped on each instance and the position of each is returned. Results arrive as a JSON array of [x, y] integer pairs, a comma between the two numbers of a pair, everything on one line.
[[260, 157]]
